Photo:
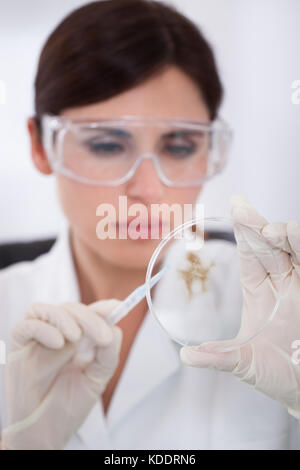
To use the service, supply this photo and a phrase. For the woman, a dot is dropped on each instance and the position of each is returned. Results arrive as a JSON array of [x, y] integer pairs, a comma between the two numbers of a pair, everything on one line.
[[143, 59]]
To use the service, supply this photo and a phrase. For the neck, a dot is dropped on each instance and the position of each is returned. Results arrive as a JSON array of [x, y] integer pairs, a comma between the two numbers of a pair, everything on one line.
[[98, 279]]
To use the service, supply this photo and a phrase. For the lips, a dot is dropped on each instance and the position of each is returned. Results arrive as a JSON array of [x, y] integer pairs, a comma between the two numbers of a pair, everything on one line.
[[142, 229]]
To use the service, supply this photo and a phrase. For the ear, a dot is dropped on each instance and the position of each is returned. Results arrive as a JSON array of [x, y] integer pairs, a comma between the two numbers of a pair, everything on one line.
[[38, 154]]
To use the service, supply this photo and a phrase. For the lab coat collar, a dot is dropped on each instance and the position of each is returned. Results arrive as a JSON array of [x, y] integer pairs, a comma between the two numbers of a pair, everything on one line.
[[64, 286]]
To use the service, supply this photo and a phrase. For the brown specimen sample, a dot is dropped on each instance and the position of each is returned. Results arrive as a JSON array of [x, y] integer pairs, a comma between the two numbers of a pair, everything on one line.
[[195, 272]]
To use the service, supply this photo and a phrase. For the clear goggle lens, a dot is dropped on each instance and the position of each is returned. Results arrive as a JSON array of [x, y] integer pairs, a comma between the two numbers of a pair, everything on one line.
[[109, 152]]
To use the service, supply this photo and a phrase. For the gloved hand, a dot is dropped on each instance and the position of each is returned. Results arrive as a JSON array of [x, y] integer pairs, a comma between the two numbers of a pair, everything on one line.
[[266, 362], [49, 391]]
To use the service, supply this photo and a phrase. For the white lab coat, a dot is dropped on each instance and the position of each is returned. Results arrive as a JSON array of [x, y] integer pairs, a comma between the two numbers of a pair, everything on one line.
[[159, 403]]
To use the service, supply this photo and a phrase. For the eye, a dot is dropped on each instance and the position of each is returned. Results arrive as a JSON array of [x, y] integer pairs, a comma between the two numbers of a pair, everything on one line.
[[104, 148], [179, 149]]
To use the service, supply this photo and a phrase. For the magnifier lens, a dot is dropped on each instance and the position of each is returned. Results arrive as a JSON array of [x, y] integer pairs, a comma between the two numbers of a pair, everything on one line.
[[199, 298]]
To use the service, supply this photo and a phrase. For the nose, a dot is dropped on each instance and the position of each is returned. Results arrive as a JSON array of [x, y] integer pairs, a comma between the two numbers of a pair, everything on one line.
[[145, 184]]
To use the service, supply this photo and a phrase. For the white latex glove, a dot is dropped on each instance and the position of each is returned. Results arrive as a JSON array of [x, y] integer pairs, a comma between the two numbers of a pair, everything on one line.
[[266, 362], [49, 393]]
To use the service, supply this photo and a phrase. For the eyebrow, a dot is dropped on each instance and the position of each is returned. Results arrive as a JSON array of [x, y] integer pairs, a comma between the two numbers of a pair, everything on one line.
[[114, 132], [182, 132], [171, 134]]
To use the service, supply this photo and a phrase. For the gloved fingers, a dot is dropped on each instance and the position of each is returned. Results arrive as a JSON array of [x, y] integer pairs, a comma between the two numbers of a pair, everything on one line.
[[276, 234], [206, 356], [85, 352], [255, 253], [243, 212], [93, 325], [106, 360], [104, 307], [285, 236], [38, 330], [86, 348], [293, 233], [57, 317]]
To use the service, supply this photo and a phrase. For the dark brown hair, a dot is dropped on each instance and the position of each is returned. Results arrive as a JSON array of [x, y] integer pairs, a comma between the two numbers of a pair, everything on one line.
[[107, 47]]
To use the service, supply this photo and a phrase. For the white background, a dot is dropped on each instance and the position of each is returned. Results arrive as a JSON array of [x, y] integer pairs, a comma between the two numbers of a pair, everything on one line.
[[257, 48]]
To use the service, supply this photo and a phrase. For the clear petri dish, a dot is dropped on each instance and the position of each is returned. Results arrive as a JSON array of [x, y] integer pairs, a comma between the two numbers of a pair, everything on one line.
[[204, 287]]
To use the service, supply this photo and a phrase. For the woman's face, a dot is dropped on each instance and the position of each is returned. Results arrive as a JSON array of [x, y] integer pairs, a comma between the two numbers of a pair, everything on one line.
[[172, 94]]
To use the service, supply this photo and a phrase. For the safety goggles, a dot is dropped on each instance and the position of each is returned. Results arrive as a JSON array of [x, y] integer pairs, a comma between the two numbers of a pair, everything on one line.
[[108, 151]]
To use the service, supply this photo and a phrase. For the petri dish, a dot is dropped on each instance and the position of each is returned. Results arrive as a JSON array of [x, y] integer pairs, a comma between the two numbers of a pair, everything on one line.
[[205, 289]]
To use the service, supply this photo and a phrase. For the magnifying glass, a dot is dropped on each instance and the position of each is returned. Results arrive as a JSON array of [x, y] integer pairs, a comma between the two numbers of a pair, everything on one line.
[[199, 297]]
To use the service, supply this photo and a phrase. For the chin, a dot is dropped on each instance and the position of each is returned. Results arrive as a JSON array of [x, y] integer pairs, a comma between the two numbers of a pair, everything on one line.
[[130, 254]]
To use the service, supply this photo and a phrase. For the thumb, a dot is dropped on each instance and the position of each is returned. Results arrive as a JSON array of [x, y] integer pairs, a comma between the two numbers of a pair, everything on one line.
[[255, 254], [106, 360], [242, 211], [104, 307], [209, 355]]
